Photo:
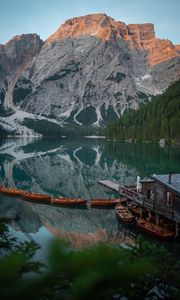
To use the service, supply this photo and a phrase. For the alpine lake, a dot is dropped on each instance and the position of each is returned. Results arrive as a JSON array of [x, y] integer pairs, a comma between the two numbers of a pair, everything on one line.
[[72, 168]]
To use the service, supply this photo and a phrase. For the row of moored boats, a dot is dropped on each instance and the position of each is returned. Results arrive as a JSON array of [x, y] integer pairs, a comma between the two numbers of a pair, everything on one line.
[[56, 200], [128, 214], [132, 214]]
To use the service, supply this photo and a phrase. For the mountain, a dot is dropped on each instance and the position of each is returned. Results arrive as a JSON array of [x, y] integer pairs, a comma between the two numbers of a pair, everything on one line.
[[89, 72], [15, 58]]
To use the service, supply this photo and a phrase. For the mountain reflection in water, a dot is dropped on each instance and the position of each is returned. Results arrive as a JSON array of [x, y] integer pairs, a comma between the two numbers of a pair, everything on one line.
[[72, 169]]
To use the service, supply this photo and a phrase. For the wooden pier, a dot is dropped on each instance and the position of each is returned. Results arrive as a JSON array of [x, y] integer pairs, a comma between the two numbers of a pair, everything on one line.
[[141, 200], [127, 192], [110, 185]]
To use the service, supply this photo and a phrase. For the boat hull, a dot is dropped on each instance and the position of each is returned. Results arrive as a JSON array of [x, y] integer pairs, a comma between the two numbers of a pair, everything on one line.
[[34, 196], [11, 191], [154, 229], [104, 202], [123, 213], [69, 201]]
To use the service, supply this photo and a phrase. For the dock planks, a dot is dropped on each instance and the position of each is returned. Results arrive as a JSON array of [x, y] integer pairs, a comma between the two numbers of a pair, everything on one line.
[[122, 190], [110, 185]]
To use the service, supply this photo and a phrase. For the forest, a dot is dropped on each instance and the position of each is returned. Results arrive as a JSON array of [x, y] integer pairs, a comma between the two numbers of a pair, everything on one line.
[[50, 129], [157, 119]]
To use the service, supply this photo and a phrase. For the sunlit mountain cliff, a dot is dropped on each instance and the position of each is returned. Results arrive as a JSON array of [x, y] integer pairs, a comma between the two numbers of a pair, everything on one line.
[[89, 72]]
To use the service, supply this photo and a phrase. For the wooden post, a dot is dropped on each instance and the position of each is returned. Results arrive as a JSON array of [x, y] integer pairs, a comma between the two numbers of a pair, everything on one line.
[[177, 230], [141, 210], [157, 219]]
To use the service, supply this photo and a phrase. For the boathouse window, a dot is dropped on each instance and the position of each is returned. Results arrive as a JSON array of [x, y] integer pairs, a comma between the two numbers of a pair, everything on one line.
[[148, 194], [152, 195], [169, 198]]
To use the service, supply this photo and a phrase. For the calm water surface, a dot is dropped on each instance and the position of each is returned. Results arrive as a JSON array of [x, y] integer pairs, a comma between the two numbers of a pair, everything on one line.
[[72, 169]]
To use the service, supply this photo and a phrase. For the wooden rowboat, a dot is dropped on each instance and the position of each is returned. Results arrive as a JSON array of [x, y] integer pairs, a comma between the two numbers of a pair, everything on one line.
[[123, 213], [134, 208], [11, 191], [34, 196], [68, 201], [154, 229], [104, 202], [165, 223]]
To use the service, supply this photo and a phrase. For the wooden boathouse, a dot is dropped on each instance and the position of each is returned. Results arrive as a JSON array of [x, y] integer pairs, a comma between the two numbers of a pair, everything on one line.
[[159, 193]]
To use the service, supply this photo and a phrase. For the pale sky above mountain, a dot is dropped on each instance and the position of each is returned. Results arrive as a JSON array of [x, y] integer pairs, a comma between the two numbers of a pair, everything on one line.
[[45, 16]]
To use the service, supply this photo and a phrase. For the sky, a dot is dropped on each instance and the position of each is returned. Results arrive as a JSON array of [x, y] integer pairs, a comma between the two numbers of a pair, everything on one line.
[[45, 16]]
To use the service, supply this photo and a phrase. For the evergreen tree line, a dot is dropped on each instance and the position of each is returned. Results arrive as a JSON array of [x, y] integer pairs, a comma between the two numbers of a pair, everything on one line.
[[157, 119], [50, 129]]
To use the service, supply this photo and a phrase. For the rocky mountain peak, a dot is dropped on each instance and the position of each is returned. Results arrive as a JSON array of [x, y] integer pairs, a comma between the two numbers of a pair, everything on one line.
[[139, 36], [30, 41], [102, 26], [89, 72], [21, 47], [99, 25], [15, 56]]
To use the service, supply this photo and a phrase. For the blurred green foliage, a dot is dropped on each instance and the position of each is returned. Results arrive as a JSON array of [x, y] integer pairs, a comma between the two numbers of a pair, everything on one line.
[[100, 272]]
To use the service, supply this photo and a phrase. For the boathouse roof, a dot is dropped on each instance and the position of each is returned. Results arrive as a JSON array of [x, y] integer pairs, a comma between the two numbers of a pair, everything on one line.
[[146, 180], [174, 183]]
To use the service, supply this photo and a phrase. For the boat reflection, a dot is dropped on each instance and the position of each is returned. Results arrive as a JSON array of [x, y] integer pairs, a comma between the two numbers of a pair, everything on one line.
[[81, 227]]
